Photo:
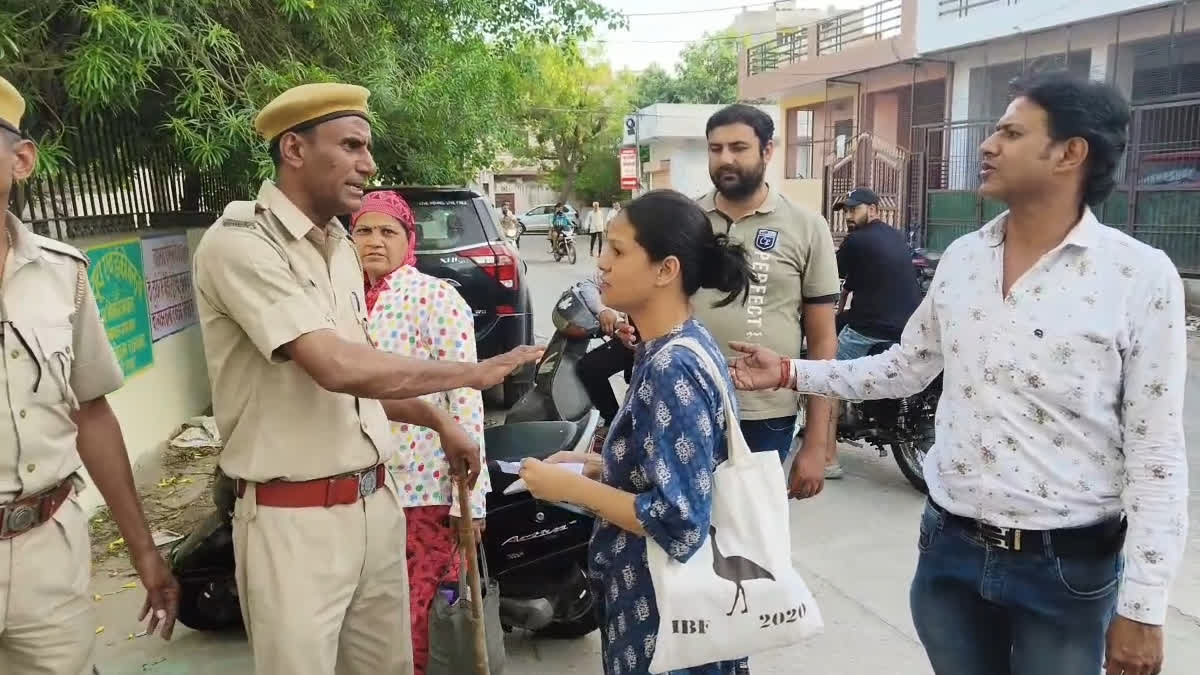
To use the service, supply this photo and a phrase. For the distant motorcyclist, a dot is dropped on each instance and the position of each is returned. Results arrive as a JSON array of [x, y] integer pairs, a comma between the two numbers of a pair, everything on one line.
[[558, 224], [876, 263]]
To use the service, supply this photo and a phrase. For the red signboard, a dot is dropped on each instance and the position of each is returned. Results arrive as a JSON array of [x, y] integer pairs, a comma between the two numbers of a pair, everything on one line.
[[629, 159]]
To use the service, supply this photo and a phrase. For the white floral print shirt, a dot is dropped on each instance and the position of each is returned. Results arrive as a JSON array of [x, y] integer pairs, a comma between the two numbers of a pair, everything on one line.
[[1062, 404], [424, 317]]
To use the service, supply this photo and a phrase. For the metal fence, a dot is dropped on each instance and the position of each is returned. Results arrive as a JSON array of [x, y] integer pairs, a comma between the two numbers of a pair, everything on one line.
[[1157, 199], [877, 21], [782, 51], [964, 7], [113, 177]]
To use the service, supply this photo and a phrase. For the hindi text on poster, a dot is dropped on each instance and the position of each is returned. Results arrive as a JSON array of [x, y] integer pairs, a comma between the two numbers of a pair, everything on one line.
[[169, 284]]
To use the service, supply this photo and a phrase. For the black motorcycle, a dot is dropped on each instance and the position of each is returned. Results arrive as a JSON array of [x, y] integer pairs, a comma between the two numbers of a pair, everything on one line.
[[925, 264], [537, 551], [906, 425]]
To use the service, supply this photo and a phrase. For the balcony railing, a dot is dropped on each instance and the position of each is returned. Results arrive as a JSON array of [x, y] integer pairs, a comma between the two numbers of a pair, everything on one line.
[[963, 7], [782, 51], [879, 21]]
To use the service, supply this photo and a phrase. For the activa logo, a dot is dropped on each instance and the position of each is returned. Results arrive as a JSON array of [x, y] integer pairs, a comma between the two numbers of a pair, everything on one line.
[[690, 626], [518, 538]]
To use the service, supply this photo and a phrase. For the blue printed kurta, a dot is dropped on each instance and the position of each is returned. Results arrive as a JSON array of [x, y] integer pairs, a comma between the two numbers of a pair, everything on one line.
[[663, 446]]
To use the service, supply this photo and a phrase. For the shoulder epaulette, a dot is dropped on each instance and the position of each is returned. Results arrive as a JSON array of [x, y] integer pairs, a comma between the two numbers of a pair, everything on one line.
[[240, 214], [56, 246]]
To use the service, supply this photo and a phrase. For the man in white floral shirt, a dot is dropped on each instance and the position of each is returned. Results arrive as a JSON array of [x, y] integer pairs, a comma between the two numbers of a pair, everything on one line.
[[1058, 482]]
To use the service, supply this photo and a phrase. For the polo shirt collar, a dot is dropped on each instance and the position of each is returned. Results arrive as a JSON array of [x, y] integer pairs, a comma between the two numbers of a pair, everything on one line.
[[709, 202]]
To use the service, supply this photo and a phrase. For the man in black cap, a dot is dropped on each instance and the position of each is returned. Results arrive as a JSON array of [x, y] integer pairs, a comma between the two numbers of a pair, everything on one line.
[[876, 263]]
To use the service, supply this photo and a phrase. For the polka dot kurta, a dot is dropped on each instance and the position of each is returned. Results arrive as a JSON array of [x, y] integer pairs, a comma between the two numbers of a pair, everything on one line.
[[414, 314], [663, 446]]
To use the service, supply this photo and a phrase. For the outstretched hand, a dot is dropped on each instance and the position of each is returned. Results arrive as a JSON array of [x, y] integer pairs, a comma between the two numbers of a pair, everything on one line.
[[492, 371], [758, 368]]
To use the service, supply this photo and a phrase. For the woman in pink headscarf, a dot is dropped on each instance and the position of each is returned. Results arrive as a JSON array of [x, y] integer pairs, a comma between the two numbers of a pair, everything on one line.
[[414, 314]]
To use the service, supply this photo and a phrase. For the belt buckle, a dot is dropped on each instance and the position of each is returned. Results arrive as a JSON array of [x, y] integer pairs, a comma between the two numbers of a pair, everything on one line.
[[368, 482], [994, 536], [18, 520]]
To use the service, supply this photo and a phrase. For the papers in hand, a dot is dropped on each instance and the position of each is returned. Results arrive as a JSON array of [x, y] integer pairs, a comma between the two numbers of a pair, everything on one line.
[[518, 485]]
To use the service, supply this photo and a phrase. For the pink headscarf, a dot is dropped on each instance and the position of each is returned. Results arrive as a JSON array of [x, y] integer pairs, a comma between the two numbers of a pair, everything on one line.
[[392, 204]]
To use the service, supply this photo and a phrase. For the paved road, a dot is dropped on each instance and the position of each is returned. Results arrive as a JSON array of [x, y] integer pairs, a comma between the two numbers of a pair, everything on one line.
[[855, 544]]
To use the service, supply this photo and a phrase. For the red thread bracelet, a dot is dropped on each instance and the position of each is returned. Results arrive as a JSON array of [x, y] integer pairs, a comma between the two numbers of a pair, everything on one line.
[[785, 373]]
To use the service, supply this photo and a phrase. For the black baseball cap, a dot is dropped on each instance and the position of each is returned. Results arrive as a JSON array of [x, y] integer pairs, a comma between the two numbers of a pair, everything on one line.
[[856, 197]]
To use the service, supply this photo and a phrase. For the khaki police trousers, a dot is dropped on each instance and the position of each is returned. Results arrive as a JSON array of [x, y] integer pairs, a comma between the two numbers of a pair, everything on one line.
[[324, 591], [46, 622]]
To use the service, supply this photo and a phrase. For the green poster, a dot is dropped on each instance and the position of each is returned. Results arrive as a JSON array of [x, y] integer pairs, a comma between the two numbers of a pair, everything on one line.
[[119, 283]]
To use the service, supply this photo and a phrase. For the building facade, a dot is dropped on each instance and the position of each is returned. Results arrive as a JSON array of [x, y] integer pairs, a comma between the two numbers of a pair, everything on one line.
[[899, 94], [674, 134]]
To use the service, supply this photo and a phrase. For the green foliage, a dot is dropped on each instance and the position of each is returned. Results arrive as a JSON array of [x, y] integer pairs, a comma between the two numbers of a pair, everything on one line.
[[706, 73], [573, 110], [190, 75]]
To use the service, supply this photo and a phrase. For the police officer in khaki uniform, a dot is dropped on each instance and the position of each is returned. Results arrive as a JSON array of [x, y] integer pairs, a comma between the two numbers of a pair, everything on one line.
[[319, 532], [56, 367]]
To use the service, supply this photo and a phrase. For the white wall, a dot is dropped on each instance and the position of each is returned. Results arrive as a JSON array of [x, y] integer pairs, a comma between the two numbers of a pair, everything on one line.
[[154, 402], [684, 120], [1001, 20], [527, 192], [689, 165]]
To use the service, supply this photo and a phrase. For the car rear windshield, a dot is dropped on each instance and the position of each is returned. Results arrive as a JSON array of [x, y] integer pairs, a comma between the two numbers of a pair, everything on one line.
[[446, 223]]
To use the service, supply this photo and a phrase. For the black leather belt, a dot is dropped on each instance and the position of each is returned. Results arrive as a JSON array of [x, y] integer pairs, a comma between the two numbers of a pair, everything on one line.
[[1103, 538]]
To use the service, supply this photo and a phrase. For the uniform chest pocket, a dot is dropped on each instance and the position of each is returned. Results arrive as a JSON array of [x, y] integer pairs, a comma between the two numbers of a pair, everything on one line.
[[56, 356]]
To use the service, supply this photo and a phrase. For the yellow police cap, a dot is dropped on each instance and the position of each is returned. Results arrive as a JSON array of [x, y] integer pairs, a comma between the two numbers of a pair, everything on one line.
[[12, 106], [310, 103]]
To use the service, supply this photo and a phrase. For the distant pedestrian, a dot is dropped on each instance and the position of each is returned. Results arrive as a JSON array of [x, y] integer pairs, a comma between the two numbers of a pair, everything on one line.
[[595, 229], [510, 226]]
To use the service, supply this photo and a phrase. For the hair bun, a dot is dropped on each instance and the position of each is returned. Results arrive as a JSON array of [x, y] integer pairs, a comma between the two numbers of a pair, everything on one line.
[[725, 267]]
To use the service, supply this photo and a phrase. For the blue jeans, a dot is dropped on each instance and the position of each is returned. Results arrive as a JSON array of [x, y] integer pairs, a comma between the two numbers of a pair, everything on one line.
[[774, 435], [986, 611], [854, 345]]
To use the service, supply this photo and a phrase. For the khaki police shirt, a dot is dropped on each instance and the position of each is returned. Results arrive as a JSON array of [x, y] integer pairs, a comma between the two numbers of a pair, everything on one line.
[[793, 262], [54, 356], [264, 276]]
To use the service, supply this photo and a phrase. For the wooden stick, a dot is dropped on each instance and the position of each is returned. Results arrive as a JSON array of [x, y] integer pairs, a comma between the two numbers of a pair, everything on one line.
[[466, 540]]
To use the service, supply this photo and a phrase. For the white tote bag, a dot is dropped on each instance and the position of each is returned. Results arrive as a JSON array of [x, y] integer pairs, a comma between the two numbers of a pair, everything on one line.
[[739, 594]]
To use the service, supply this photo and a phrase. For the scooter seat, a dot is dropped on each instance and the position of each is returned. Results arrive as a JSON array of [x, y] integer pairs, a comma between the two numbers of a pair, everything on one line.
[[514, 442]]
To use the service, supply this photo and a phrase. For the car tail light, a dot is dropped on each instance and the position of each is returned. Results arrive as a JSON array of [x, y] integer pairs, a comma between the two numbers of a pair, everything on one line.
[[497, 261]]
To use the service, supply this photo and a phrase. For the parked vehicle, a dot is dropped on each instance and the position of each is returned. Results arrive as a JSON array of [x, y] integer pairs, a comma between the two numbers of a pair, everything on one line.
[[925, 264], [459, 240], [905, 426], [565, 246], [537, 220], [537, 551]]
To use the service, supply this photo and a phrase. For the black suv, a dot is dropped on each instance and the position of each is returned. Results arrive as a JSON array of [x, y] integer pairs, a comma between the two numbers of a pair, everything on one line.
[[459, 240]]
